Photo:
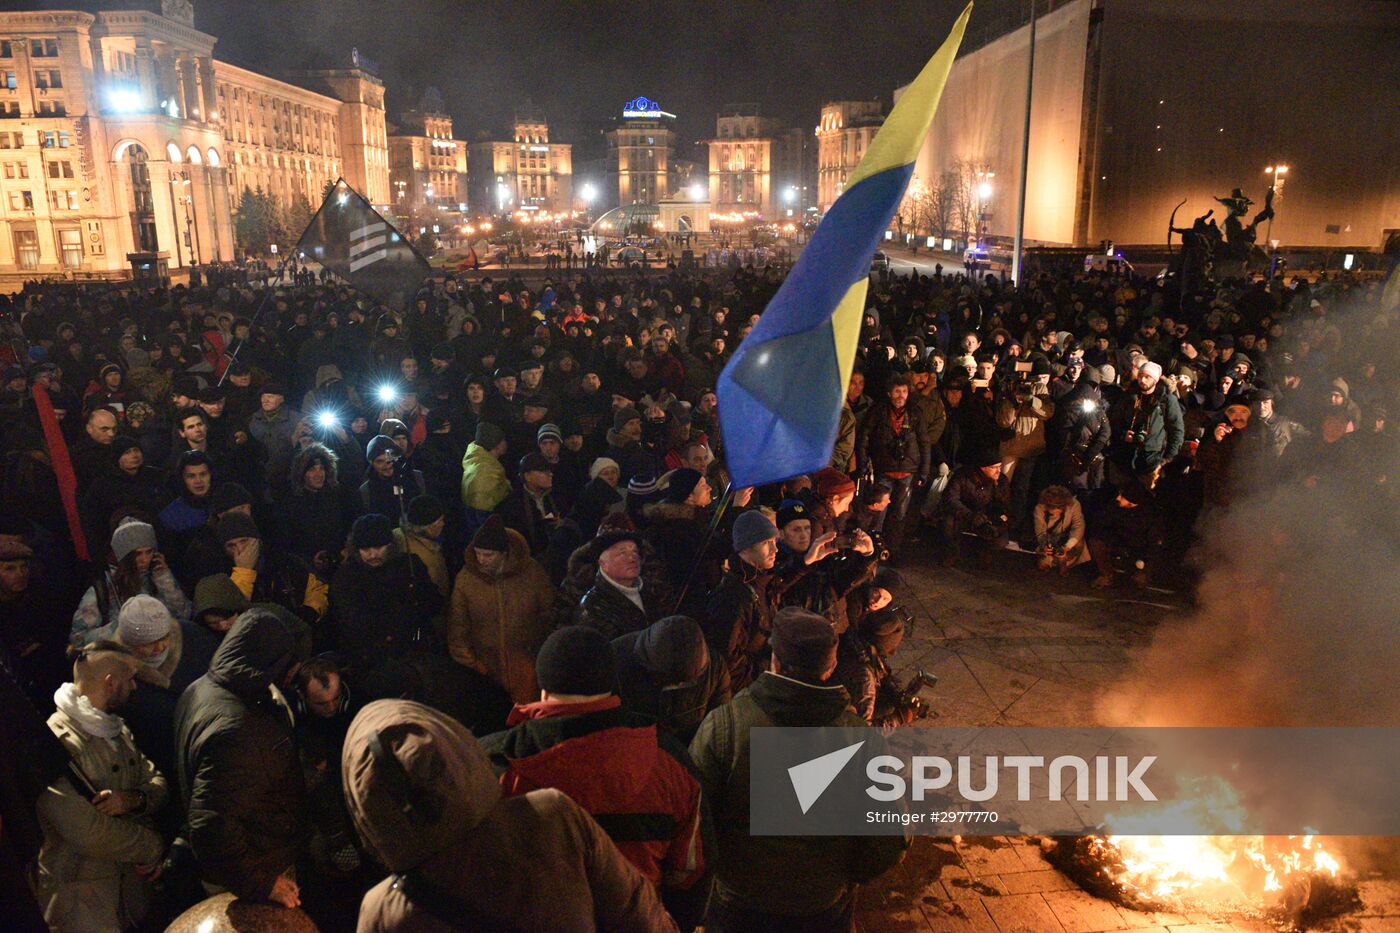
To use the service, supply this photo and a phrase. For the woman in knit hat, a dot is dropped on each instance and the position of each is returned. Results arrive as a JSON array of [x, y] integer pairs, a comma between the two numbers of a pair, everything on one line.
[[137, 567]]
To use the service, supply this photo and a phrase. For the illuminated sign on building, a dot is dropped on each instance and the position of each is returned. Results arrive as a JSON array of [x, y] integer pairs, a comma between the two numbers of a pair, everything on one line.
[[641, 107]]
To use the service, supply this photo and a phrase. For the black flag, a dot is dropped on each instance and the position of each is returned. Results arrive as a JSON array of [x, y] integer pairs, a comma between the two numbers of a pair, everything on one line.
[[349, 238]]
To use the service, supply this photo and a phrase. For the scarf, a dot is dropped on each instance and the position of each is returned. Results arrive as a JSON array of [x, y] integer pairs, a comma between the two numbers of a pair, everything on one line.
[[90, 719], [634, 593]]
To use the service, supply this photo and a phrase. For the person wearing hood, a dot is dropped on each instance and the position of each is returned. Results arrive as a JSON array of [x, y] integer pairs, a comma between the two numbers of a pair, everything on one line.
[[789, 882], [100, 849], [315, 513], [390, 484], [427, 805], [579, 739], [237, 764], [500, 610], [668, 672], [218, 602]]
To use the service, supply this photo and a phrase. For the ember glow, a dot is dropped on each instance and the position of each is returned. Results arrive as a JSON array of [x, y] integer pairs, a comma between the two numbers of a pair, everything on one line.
[[1211, 871]]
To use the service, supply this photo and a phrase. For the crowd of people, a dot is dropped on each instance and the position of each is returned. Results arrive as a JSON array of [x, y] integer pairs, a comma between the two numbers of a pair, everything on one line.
[[449, 614]]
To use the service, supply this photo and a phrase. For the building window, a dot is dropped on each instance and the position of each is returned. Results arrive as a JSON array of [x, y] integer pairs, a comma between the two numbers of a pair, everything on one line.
[[6, 51], [63, 200], [53, 78], [43, 48], [51, 139], [52, 108], [21, 200], [16, 169], [27, 249], [11, 80], [70, 246]]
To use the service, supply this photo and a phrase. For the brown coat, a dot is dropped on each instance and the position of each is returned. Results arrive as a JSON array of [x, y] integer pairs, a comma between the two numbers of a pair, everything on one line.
[[497, 624], [535, 862]]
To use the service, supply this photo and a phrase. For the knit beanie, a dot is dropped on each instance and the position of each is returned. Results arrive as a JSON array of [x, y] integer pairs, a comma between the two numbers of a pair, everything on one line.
[[424, 510], [130, 535], [488, 435], [752, 528], [491, 536], [379, 445], [601, 464], [576, 660], [549, 430], [393, 427], [236, 525], [623, 415], [792, 510], [681, 485], [803, 639], [673, 649], [371, 530], [229, 496], [143, 619]]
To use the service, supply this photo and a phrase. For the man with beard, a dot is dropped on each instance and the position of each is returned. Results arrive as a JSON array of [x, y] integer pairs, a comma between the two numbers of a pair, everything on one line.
[[382, 604], [1148, 429], [100, 851], [893, 445]]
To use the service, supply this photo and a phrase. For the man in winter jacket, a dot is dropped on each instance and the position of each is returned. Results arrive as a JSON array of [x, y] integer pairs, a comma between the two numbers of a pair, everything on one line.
[[612, 762], [99, 845], [619, 601], [976, 501], [741, 612], [501, 604], [1148, 429], [893, 443], [668, 672], [770, 882], [484, 482], [238, 769], [427, 805], [390, 484]]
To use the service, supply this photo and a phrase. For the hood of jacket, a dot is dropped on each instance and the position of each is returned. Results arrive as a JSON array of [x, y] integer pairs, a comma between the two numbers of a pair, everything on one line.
[[328, 372], [1341, 386], [663, 511], [790, 702], [444, 768], [254, 654]]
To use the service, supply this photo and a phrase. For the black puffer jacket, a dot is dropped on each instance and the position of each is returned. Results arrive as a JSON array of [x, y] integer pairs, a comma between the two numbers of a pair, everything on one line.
[[607, 609], [904, 451], [668, 672], [378, 612], [237, 761]]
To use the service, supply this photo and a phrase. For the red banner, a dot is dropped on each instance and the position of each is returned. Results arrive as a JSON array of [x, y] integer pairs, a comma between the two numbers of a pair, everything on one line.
[[62, 467]]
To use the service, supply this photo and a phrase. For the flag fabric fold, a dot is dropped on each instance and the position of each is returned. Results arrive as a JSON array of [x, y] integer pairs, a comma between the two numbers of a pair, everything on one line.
[[780, 395], [351, 239]]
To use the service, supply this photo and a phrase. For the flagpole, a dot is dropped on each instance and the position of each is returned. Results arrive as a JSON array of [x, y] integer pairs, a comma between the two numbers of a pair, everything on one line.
[[1016, 258], [253, 323], [724, 502]]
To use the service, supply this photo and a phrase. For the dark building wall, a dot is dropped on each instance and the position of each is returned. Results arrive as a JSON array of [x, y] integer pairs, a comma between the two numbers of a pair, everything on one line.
[[1236, 87]]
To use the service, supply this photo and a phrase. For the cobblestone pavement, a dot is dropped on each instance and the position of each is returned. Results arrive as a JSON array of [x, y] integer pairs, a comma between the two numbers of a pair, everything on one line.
[[1014, 647]]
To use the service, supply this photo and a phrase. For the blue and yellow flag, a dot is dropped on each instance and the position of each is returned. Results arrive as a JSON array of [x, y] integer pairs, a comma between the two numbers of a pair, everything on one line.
[[780, 396]]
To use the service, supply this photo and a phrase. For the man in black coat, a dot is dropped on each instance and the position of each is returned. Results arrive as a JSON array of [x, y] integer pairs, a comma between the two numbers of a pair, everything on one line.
[[124, 483], [237, 764], [618, 602], [893, 443], [389, 483], [668, 672], [530, 508]]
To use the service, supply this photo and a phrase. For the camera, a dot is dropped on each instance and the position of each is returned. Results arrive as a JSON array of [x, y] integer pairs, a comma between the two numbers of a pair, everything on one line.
[[910, 698]]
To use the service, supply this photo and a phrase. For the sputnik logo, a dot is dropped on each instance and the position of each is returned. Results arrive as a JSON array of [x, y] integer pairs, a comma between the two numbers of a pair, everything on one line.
[[811, 778]]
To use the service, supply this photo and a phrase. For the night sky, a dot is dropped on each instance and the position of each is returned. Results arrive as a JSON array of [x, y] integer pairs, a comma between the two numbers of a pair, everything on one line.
[[578, 62]]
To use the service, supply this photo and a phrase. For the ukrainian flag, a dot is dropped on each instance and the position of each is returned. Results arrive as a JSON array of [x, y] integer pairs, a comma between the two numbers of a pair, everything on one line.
[[780, 396]]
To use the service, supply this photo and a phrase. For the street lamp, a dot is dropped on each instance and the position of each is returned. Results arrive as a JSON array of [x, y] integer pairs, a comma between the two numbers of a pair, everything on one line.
[[1277, 176], [589, 193], [984, 194]]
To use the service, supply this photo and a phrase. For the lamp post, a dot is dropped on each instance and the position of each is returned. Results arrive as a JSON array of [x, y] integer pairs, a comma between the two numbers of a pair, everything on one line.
[[984, 194], [1277, 176]]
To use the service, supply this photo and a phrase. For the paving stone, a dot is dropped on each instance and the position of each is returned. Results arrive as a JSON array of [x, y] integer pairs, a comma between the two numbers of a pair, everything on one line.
[[1022, 913], [1035, 882], [1079, 912]]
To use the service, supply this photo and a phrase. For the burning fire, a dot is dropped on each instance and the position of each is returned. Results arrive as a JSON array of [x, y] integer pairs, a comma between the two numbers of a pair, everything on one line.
[[1221, 869]]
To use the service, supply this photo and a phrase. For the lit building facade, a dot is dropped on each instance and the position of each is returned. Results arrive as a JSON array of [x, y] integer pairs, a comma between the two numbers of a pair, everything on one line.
[[640, 149], [526, 171], [844, 133], [427, 167], [756, 164], [124, 145]]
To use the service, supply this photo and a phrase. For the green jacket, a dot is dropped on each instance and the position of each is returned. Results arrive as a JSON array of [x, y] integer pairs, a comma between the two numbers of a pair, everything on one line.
[[484, 482], [793, 875]]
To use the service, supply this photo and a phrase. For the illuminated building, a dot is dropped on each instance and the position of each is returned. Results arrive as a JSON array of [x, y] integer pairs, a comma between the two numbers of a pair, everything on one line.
[[526, 171], [756, 164], [1139, 104], [427, 167], [640, 148], [124, 143], [843, 135]]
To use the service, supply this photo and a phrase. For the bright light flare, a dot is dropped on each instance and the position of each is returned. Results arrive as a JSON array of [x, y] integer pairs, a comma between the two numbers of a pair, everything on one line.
[[327, 419], [388, 394]]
